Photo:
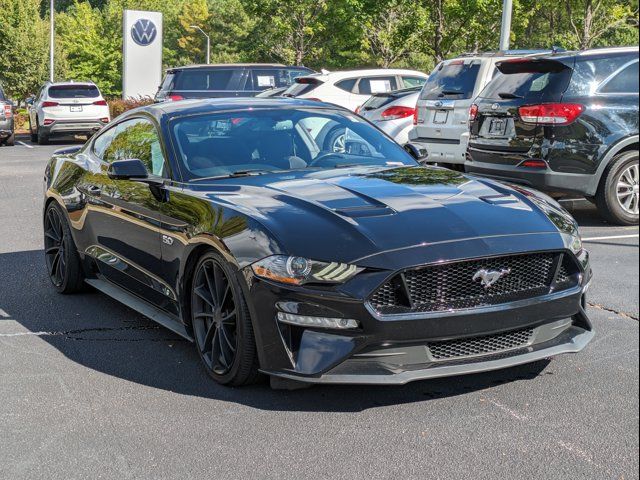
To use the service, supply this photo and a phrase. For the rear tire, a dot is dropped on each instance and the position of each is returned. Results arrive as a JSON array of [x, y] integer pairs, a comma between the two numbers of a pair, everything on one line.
[[61, 255], [221, 323], [33, 132], [617, 197], [42, 137], [11, 141]]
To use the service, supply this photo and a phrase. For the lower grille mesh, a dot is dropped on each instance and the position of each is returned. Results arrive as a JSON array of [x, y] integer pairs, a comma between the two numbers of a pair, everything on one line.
[[453, 349]]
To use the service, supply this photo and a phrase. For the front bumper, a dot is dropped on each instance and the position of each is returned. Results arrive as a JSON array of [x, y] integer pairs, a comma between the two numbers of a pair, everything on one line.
[[398, 350]]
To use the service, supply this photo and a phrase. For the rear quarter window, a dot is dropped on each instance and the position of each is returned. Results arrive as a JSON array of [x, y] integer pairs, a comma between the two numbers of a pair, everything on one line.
[[590, 72], [455, 80], [625, 81]]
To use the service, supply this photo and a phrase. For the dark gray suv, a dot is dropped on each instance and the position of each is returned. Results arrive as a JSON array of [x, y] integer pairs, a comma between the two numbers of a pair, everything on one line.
[[7, 135], [566, 124]]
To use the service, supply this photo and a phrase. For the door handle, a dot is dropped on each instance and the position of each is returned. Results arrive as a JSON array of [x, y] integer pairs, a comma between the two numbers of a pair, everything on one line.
[[94, 190]]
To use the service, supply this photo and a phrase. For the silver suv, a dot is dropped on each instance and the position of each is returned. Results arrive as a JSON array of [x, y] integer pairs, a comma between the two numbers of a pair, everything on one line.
[[441, 122]]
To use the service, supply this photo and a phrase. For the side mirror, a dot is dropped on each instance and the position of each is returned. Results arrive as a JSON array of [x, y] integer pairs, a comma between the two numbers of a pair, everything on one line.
[[418, 153], [132, 169], [29, 101]]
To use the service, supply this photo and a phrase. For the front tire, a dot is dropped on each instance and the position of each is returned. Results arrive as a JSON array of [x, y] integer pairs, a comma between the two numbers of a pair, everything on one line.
[[221, 323], [61, 255], [43, 136], [617, 198]]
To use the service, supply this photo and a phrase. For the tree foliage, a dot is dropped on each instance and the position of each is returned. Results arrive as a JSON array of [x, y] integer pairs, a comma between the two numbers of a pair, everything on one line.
[[332, 34]]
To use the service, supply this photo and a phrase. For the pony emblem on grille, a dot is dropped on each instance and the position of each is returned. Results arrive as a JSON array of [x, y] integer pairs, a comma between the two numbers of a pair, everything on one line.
[[489, 277]]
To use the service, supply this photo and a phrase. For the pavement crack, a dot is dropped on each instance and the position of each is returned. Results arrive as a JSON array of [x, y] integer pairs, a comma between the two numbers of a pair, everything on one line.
[[612, 310], [76, 334]]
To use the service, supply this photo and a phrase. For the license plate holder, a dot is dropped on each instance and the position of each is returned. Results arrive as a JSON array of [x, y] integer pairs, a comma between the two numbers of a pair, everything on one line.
[[498, 126], [440, 116], [76, 108]]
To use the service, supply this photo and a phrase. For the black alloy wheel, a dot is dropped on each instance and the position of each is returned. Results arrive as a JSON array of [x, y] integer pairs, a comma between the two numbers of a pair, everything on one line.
[[63, 264], [221, 323]]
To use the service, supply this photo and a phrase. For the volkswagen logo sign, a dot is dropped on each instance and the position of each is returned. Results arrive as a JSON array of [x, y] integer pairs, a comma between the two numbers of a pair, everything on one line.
[[495, 106], [439, 104], [144, 32]]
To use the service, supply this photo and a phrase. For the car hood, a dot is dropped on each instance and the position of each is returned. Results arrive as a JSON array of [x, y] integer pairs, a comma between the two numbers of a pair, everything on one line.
[[350, 215]]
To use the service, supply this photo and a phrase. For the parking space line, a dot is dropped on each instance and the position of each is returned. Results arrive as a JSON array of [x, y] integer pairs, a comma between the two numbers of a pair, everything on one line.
[[614, 237], [25, 145]]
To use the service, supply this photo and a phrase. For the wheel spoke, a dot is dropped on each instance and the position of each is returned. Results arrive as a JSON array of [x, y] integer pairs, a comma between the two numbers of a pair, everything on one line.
[[229, 315], [205, 295], [219, 284], [225, 336], [210, 286], [52, 250]]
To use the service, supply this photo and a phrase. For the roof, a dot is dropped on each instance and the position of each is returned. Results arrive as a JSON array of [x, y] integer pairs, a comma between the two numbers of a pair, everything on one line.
[[68, 83], [199, 106], [232, 65], [339, 75]]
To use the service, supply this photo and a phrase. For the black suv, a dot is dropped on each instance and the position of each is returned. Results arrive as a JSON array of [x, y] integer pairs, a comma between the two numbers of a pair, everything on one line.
[[228, 80], [7, 136], [564, 123]]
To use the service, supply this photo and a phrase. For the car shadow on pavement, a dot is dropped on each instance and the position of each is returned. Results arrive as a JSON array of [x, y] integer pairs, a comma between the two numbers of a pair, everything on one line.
[[98, 333]]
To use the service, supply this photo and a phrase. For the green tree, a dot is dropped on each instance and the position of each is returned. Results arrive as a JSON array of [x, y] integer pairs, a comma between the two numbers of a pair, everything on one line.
[[24, 47]]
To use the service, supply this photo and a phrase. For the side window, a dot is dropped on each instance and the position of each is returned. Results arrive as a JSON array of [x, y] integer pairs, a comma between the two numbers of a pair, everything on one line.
[[347, 85], [137, 138], [625, 81], [101, 143], [410, 82], [370, 85]]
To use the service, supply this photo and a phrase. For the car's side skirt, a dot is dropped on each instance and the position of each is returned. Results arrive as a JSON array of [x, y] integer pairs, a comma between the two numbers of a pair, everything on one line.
[[140, 306]]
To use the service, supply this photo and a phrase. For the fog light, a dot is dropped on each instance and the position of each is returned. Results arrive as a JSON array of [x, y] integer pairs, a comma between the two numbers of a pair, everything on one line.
[[321, 322], [47, 122]]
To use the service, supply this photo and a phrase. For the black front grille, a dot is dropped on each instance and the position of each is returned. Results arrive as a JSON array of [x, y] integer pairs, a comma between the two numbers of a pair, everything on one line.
[[443, 287], [469, 347]]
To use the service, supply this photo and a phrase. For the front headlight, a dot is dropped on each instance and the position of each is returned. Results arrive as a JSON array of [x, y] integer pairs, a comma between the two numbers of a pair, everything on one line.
[[299, 270], [576, 244]]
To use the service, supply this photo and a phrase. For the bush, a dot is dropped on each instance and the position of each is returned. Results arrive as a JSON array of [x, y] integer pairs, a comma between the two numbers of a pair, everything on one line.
[[21, 119], [117, 106]]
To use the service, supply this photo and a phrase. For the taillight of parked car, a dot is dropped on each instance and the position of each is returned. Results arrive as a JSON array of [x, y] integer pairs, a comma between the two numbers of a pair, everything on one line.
[[174, 98], [473, 112], [49, 104], [551, 113], [395, 113], [100, 103], [8, 111]]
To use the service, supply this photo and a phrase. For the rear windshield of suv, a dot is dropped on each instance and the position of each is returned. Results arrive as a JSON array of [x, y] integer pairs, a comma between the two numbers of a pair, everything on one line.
[[74, 91], [301, 86], [530, 84], [455, 80]]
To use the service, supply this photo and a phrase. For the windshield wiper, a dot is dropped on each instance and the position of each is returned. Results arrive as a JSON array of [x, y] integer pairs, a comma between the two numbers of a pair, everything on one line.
[[509, 96], [236, 174], [451, 92]]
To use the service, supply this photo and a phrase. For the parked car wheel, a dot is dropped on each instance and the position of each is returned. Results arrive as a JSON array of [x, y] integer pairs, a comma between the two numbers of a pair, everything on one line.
[[34, 133], [221, 323], [42, 137], [63, 261], [617, 197], [336, 141], [11, 141]]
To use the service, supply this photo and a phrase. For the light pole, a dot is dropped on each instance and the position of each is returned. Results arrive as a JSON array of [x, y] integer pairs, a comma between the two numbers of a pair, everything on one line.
[[505, 31], [51, 40], [208, 42]]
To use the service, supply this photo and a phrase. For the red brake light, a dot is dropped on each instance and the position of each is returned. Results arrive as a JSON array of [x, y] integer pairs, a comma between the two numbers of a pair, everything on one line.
[[473, 112], [8, 111], [105, 120], [551, 113], [101, 103], [394, 113], [47, 121], [49, 104], [534, 164], [415, 115], [175, 98]]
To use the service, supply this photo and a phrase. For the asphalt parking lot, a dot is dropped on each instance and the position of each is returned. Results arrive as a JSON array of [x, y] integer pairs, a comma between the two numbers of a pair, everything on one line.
[[90, 389]]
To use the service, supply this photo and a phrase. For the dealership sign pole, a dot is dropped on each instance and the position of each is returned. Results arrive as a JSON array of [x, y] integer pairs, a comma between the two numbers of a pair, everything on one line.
[[142, 53], [51, 41]]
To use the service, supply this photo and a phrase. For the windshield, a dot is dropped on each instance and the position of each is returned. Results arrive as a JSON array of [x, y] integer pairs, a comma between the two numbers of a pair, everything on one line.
[[455, 80], [273, 140]]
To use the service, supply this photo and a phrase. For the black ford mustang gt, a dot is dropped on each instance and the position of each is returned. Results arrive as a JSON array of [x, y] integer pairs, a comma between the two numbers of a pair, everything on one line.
[[235, 224]]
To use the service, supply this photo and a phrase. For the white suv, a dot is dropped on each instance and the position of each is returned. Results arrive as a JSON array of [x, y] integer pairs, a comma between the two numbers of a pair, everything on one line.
[[350, 89], [67, 108], [441, 122]]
